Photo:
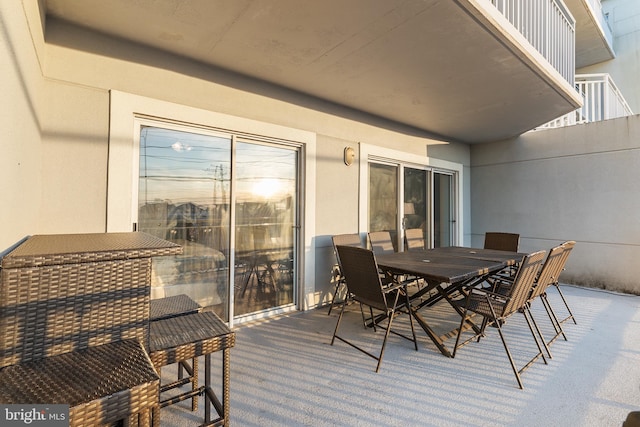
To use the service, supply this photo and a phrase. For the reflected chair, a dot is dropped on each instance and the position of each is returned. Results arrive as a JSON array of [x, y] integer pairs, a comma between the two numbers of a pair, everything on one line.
[[496, 308], [414, 239], [338, 278], [502, 241], [361, 272]]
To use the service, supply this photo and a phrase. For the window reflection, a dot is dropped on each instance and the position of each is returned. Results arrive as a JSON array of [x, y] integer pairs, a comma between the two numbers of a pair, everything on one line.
[[265, 217], [184, 196]]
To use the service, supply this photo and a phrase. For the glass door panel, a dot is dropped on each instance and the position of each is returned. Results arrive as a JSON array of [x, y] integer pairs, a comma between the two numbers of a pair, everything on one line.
[[266, 189], [183, 196], [443, 212], [383, 199], [416, 200]]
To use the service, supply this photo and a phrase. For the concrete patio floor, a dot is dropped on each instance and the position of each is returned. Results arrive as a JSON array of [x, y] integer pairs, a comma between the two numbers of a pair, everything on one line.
[[285, 372]]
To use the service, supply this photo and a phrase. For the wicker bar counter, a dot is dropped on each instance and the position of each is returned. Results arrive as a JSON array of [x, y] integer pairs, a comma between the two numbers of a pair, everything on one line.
[[63, 294]]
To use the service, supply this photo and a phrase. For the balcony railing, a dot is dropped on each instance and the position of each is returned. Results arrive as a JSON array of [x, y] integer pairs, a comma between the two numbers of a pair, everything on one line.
[[548, 26], [602, 100]]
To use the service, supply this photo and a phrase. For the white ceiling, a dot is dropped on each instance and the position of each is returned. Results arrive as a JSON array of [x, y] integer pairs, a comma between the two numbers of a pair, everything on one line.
[[440, 66]]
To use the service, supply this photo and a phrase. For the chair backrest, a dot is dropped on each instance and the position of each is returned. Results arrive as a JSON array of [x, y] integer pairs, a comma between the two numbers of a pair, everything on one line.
[[345, 240], [502, 241], [414, 239], [550, 271], [381, 242], [568, 247], [525, 278], [360, 269]]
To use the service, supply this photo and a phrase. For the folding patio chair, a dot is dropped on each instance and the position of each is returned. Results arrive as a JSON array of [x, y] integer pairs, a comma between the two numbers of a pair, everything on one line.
[[548, 275], [496, 308], [568, 247], [414, 239], [361, 272], [502, 241], [380, 242], [338, 277]]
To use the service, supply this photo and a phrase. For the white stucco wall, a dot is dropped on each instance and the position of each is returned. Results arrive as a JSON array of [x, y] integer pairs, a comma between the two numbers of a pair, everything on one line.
[[574, 183], [20, 124]]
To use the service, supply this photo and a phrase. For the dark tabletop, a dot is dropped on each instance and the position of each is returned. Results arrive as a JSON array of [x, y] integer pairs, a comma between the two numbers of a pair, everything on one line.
[[448, 265]]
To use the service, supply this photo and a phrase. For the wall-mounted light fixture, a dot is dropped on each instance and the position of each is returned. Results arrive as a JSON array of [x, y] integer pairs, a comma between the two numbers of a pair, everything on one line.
[[349, 155]]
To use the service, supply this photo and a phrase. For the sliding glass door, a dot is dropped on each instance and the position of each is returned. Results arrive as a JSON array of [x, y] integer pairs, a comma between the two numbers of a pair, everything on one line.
[[232, 205], [403, 196], [265, 222]]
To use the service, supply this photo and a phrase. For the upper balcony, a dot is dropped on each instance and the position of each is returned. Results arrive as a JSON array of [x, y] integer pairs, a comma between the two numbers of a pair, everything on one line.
[[594, 40], [463, 70]]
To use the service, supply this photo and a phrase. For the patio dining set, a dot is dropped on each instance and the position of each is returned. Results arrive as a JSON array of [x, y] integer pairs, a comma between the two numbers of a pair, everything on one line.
[[483, 286], [78, 330]]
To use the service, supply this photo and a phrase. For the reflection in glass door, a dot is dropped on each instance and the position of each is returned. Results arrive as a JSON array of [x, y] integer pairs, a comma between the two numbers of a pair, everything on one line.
[[183, 196], [415, 200], [265, 223], [191, 192], [443, 212], [383, 199]]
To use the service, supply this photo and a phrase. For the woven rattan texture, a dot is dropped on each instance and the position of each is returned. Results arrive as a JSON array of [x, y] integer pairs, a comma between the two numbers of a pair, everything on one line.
[[101, 384], [181, 338], [178, 305], [77, 248], [51, 310]]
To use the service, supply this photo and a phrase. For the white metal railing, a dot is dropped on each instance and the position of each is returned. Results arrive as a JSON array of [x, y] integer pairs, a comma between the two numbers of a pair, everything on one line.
[[548, 26], [602, 100]]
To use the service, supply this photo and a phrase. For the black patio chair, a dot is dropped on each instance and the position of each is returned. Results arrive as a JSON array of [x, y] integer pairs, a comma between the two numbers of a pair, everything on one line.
[[496, 308], [365, 285], [338, 277], [502, 241]]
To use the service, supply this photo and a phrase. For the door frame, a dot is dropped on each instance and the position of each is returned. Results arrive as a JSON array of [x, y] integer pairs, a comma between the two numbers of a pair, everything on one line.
[[370, 152], [125, 108]]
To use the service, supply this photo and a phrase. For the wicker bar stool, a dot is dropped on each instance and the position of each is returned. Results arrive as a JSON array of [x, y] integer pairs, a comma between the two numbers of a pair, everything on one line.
[[100, 384], [166, 308], [181, 338], [74, 321]]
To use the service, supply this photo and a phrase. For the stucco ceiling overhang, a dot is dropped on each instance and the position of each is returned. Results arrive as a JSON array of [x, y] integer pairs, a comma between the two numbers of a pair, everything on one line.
[[451, 68]]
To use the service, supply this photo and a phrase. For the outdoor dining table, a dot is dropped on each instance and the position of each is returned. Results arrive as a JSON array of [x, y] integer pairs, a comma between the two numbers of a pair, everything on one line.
[[445, 270]]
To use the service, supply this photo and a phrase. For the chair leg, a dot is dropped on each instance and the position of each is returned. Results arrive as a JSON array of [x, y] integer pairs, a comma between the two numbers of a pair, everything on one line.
[[570, 316], [335, 331], [384, 341], [531, 322], [535, 324], [410, 313], [506, 348], [557, 325], [339, 283]]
